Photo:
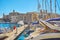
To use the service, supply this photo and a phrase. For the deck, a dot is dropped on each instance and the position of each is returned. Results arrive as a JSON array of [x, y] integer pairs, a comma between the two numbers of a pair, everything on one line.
[[37, 33]]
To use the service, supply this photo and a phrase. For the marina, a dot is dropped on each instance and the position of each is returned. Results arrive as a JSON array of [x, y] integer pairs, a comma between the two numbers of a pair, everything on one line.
[[23, 32], [30, 20]]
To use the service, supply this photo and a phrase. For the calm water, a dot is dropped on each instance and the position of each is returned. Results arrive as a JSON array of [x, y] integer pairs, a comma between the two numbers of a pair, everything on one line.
[[8, 25], [23, 36]]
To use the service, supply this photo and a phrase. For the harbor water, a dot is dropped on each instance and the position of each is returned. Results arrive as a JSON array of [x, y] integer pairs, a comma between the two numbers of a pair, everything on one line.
[[7, 26], [24, 34]]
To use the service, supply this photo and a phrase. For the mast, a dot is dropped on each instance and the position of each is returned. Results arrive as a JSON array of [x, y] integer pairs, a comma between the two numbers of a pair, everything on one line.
[[42, 5], [45, 4], [42, 9], [58, 5], [38, 5], [55, 8], [51, 8]]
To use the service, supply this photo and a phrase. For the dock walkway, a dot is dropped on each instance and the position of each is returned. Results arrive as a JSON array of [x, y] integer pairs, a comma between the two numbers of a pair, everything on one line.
[[12, 35]]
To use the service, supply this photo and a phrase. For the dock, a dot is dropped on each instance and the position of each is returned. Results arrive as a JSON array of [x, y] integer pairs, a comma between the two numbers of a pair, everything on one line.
[[12, 35]]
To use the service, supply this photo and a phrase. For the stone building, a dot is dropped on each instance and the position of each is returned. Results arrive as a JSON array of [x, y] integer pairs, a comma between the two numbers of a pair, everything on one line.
[[28, 17], [1, 20], [16, 17]]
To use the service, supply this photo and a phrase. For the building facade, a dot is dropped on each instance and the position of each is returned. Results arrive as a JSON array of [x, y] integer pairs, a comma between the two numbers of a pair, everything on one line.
[[16, 17], [29, 17], [1, 20]]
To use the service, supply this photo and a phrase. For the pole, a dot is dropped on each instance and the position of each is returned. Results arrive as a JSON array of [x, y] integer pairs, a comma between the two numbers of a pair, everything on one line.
[[50, 7], [42, 8], [42, 4], [45, 4], [55, 8], [38, 5]]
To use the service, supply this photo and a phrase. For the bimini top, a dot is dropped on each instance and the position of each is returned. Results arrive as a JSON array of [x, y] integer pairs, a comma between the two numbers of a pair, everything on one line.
[[36, 22], [53, 19]]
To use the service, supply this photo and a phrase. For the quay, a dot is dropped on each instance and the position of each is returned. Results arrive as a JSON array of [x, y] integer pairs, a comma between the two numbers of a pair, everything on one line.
[[12, 35]]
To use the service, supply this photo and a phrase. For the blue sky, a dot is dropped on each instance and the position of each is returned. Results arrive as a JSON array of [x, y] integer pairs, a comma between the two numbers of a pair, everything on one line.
[[21, 6]]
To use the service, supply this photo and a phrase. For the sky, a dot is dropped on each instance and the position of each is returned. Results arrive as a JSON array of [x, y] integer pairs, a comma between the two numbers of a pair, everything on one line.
[[22, 6]]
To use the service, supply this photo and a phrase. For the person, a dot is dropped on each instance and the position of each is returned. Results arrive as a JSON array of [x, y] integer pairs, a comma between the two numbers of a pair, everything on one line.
[[15, 29]]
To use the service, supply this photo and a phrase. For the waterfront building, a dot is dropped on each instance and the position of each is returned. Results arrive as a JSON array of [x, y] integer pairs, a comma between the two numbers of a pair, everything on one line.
[[1, 20], [16, 17], [28, 17]]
